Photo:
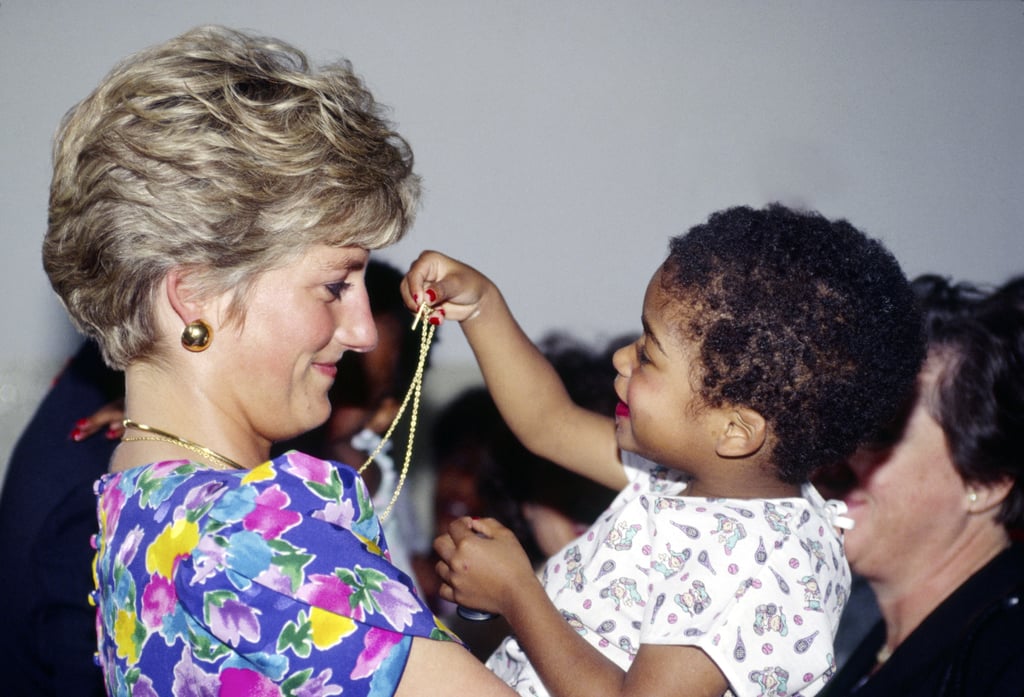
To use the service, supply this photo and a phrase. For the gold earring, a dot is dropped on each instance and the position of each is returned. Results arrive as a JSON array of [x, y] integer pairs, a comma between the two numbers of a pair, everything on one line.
[[197, 336]]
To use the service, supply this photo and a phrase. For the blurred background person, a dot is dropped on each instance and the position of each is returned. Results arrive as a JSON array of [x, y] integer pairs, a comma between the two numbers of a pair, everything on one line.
[[47, 517]]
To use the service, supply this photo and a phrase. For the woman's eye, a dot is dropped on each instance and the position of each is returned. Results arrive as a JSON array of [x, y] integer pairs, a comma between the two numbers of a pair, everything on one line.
[[336, 289]]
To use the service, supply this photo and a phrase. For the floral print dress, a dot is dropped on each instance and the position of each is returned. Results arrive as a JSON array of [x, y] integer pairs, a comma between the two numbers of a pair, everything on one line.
[[274, 581]]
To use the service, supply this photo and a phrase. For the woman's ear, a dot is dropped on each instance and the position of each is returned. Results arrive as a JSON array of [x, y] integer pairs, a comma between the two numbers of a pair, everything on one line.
[[983, 497], [182, 301], [744, 434]]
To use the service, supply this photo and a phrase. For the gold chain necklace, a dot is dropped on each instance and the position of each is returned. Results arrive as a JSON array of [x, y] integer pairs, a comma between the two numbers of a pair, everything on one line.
[[164, 436], [426, 336]]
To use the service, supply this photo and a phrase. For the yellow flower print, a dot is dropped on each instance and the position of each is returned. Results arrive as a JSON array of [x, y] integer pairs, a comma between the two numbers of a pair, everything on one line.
[[370, 544], [259, 474], [125, 634], [329, 628], [177, 540]]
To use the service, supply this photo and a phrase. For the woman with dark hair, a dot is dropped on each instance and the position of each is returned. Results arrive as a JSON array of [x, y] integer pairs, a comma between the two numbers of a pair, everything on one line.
[[935, 506]]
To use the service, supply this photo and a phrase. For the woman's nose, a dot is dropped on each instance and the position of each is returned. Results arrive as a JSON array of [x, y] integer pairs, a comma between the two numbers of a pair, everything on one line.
[[356, 328]]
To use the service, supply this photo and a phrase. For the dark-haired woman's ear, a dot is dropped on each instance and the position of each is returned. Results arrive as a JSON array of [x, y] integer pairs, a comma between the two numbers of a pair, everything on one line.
[[982, 498]]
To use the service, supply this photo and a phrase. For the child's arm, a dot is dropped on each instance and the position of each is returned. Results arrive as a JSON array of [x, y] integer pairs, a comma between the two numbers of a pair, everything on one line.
[[527, 390], [493, 573]]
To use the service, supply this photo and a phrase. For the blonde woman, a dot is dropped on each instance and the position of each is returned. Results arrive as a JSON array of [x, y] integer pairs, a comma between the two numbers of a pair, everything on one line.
[[213, 206]]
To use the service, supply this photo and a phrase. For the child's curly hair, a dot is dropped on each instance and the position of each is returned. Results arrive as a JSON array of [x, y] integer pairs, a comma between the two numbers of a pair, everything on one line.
[[805, 320]]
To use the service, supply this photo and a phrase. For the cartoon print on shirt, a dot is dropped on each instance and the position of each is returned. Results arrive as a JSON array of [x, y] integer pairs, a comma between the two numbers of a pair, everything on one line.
[[812, 593], [770, 618], [729, 530], [778, 521], [574, 577], [772, 681], [694, 601], [671, 563], [621, 537], [816, 551], [623, 591], [745, 585], [574, 621]]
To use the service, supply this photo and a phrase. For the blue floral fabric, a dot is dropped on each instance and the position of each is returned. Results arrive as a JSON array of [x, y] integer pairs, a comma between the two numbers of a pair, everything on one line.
[[274, 581]]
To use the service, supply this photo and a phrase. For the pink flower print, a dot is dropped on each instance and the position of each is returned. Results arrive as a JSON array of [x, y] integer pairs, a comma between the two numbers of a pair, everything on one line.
[[270, 517], [235, 682], [130, 546], [209, 558], [340, 514], [158, 600], [233, 621], [111, 505], [318, 686], [330, 593], [376, 646], [274, 579], [397, 603], [192, 681], [143, 687], [161, 469], [203, 494], [307, 467]]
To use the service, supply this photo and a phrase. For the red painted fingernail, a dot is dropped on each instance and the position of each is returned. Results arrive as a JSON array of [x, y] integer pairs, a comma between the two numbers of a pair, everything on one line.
[[443, 313], [113, 433], [435, 321], [76, 434], [431, 295], [81, 423], [415, 298]]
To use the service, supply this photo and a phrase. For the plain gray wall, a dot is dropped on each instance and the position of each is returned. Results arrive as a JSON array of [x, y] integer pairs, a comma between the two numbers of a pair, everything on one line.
[[562, 143]]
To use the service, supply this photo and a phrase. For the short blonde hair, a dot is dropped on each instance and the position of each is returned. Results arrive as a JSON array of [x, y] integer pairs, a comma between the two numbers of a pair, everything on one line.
[[222, 153]]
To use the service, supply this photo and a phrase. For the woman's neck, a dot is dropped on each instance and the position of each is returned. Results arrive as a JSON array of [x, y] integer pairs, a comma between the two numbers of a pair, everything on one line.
[[915, 590], [160, 398]]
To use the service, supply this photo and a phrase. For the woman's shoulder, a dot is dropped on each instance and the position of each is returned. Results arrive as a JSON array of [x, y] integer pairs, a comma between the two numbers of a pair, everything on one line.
[[290, 480]]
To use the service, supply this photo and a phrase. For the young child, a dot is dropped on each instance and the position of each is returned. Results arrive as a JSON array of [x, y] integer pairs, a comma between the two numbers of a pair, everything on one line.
[[773, 342]]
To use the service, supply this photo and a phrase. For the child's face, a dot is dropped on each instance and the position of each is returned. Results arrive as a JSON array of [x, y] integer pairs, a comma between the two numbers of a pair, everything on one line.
[[661, 415]]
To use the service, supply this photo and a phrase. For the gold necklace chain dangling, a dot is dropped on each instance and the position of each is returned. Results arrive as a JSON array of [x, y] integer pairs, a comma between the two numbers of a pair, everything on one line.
[[413, 394]]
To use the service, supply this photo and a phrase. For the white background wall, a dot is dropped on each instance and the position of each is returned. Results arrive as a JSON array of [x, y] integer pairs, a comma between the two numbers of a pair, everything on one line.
[[562, 143]]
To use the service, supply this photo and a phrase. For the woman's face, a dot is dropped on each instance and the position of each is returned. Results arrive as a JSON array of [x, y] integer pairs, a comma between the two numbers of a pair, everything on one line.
[[277, 365], [908, 502]]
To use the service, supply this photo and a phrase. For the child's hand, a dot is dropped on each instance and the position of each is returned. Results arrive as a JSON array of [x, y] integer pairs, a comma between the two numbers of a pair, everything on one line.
[[455, 291], [482, 564], [109, 417]]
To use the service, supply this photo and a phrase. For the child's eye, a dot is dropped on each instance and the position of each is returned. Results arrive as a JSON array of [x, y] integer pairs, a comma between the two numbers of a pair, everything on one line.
[[337, 288], [641, 355]]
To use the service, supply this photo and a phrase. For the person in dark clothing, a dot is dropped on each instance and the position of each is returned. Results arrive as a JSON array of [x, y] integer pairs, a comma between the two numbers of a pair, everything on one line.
[[47, 515], [936, 505]]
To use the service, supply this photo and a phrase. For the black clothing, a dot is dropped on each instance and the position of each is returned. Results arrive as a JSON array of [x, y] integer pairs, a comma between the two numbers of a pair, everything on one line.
[[972, 645], [47, 516]]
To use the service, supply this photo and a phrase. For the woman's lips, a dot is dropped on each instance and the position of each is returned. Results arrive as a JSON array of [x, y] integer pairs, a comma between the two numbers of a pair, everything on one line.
[[621, 410], [328, 369]]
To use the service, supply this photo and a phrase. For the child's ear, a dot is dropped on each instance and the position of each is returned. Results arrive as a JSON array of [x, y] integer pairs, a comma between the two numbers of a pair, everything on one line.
[[744, 434]]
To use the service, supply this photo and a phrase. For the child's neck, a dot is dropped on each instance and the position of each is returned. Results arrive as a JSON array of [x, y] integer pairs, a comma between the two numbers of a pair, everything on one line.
[[752, 488]]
